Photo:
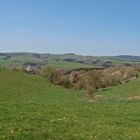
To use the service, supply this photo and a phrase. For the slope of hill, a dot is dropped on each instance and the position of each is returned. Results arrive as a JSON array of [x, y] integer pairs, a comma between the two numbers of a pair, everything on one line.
[[32, 108], [64, 61], [125, 91]]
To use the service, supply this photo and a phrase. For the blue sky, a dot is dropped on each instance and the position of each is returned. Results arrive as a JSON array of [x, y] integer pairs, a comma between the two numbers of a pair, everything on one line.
[[89, 27]]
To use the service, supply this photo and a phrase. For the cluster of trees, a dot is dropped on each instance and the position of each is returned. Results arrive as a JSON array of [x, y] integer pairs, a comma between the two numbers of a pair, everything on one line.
[[91, 80]]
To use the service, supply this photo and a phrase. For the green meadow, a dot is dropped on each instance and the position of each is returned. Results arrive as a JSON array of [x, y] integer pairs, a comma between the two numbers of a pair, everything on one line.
[[33, 109]]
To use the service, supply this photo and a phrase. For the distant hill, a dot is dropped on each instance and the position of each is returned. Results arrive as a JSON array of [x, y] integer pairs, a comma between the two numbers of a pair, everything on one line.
[[64, 61], [129, 57]]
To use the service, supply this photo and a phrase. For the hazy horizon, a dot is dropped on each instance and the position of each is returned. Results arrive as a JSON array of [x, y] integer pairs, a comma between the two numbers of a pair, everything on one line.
[[84, 27], [69, 53]]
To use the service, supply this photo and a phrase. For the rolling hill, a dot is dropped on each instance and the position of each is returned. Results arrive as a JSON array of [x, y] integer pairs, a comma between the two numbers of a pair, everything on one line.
[[32, 108], [64, 61]]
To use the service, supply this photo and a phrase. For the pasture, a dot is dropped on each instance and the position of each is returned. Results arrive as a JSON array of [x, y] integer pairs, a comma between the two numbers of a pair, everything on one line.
[[33, 109]]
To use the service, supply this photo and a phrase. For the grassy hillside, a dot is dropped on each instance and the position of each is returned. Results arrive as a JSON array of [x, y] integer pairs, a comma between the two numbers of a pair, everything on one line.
[[33, 109], [131, 89], [67, 65]]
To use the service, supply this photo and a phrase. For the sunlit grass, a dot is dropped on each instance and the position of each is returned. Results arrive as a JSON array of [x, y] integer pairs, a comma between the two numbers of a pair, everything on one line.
[[33, 109]]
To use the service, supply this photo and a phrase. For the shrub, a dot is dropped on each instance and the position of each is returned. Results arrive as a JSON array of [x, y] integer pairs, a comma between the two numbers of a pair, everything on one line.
[[65, 81], [81, 84], [48, 72]]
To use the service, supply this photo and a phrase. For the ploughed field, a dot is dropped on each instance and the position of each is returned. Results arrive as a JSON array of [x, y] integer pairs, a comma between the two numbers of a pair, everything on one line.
[[33, 109]]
